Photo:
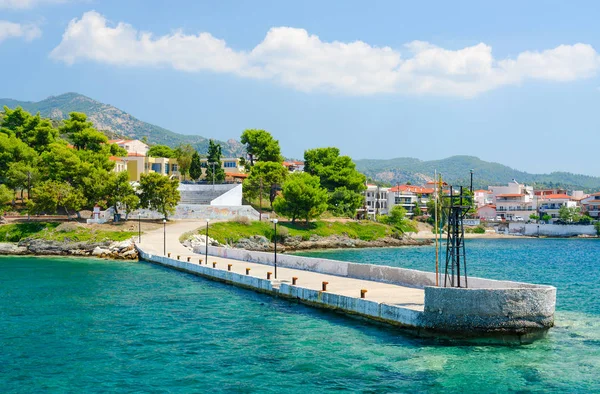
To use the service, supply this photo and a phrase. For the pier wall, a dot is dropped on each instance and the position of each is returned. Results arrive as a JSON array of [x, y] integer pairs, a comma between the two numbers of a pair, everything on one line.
[[489, 310], [500, 308], [378, 273]]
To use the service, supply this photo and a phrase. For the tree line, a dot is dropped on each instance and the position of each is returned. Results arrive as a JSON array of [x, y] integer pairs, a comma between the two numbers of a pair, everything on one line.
[[329, 181], [66, 166]]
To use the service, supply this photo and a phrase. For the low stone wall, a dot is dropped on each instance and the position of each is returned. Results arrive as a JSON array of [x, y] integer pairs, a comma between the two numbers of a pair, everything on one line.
[[390, 314], [551, 230], [201, 212], [378, 273]]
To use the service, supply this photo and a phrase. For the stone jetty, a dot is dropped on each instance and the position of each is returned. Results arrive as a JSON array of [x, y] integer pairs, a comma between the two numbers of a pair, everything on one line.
[[396, 296]]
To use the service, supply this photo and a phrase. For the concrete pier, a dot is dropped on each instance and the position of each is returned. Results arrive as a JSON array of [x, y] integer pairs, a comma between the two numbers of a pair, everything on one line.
[[396, 296]]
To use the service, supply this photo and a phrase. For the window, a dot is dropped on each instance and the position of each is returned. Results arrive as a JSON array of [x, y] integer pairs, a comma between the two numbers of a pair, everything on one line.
[[229, 164], [174, 167]]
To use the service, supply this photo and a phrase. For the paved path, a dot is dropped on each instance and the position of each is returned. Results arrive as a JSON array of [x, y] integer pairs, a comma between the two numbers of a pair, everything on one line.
[[407, 297]]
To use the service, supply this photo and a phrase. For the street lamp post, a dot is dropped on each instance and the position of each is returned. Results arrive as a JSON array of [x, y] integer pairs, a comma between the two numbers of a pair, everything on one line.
[[206, 246], [165, 237], [139, 227], [275, 260]]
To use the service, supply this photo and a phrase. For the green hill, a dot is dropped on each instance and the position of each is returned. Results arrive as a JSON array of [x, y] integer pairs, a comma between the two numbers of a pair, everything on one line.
[[117, 123], [455, 170]]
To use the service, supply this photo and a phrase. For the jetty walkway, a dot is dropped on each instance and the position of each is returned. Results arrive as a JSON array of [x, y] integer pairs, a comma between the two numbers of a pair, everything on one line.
[[397, 296], [407, 297]]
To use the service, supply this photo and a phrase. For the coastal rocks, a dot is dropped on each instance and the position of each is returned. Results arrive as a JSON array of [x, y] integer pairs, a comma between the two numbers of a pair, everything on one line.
[[124, 250], [260, 243], [198, 240], [7, 248], [255, 242]]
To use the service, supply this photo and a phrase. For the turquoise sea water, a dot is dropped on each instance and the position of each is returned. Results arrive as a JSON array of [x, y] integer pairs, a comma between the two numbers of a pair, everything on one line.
[[73, 325]]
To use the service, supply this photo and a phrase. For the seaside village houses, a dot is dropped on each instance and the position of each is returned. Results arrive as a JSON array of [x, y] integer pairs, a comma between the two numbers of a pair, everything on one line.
[[517, 202], [138, 162], [380, 200], [511, 202]]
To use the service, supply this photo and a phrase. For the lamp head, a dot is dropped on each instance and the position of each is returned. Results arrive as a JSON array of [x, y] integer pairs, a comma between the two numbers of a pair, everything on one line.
[[207, 220], [164, 220], [275, 221]]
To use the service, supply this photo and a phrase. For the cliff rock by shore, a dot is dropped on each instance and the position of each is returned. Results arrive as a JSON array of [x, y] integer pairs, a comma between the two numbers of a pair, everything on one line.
[[124, 250]]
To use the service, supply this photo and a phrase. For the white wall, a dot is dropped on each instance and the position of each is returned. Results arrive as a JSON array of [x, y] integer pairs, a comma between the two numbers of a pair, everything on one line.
[[550, 230], [230, 199]]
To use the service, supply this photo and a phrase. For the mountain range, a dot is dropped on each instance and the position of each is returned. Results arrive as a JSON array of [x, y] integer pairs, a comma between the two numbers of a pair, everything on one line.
[[456, 170], [117, 123]]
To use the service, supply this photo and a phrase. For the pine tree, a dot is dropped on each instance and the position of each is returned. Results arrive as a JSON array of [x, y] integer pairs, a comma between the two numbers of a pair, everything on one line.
[[214, 162]]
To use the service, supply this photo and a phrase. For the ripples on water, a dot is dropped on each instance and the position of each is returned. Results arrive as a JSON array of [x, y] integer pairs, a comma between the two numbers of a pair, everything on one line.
[[92, 325]]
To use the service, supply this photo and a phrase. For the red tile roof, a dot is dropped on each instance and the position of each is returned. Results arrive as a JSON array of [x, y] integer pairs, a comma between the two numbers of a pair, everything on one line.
[[412, 189], [115, 158], [130, 154], [236, 175], [557, 197]]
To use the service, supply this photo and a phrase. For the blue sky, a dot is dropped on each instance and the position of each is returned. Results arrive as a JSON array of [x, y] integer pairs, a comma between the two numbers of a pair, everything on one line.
[[508, 82]]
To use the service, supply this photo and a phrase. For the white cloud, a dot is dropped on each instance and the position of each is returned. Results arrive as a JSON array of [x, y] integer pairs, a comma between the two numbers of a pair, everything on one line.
[[295, 58], [16, 30], [27, 4]]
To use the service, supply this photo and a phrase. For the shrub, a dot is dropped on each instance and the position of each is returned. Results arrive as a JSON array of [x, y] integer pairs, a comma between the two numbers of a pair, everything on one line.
[[282, 233], [67, 227], [242, 220]]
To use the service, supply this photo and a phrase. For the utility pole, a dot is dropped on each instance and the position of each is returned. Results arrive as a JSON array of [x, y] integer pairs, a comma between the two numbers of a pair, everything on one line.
[[260, 200]]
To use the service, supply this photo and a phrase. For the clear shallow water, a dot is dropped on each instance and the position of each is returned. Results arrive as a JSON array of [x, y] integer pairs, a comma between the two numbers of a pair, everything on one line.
[[90, 325]]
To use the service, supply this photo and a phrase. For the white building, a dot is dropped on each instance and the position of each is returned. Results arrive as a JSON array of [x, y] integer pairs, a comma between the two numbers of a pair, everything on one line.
[[376, 199], [513, 200], [482, 198], [409, 196], [132, 146], [550, 204], [591, 205]]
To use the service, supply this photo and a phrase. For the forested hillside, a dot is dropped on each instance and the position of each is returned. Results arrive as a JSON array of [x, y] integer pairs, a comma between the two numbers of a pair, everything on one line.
[[117, 123]]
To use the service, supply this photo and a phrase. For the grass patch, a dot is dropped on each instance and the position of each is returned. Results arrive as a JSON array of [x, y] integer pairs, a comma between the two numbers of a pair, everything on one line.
[[227, 232], [18, 231]]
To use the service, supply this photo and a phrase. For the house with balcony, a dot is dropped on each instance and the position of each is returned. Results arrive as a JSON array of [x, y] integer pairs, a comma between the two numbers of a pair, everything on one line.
[[591, 205], [550, 204], [376, 201], [409, 197], [514, 199]]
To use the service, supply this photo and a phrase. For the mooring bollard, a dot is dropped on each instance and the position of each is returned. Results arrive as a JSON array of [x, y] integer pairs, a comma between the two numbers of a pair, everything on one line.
[[189, 258], [214, 264], [269, 275], [169, 254], [362, 293], [294, 279], [229, 267], [325, 286], [200, 261], [247, 271], [178, 257]]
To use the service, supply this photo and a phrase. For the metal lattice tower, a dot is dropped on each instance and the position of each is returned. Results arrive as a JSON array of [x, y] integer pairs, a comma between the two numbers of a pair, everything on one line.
[[456, 260]]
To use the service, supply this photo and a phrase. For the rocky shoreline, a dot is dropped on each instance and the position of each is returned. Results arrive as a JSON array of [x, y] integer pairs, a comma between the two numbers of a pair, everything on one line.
[[124, 250], [291, 244]]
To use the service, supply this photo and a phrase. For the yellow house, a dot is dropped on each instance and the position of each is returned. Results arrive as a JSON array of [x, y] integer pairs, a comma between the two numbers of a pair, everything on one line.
[[137, 164]]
